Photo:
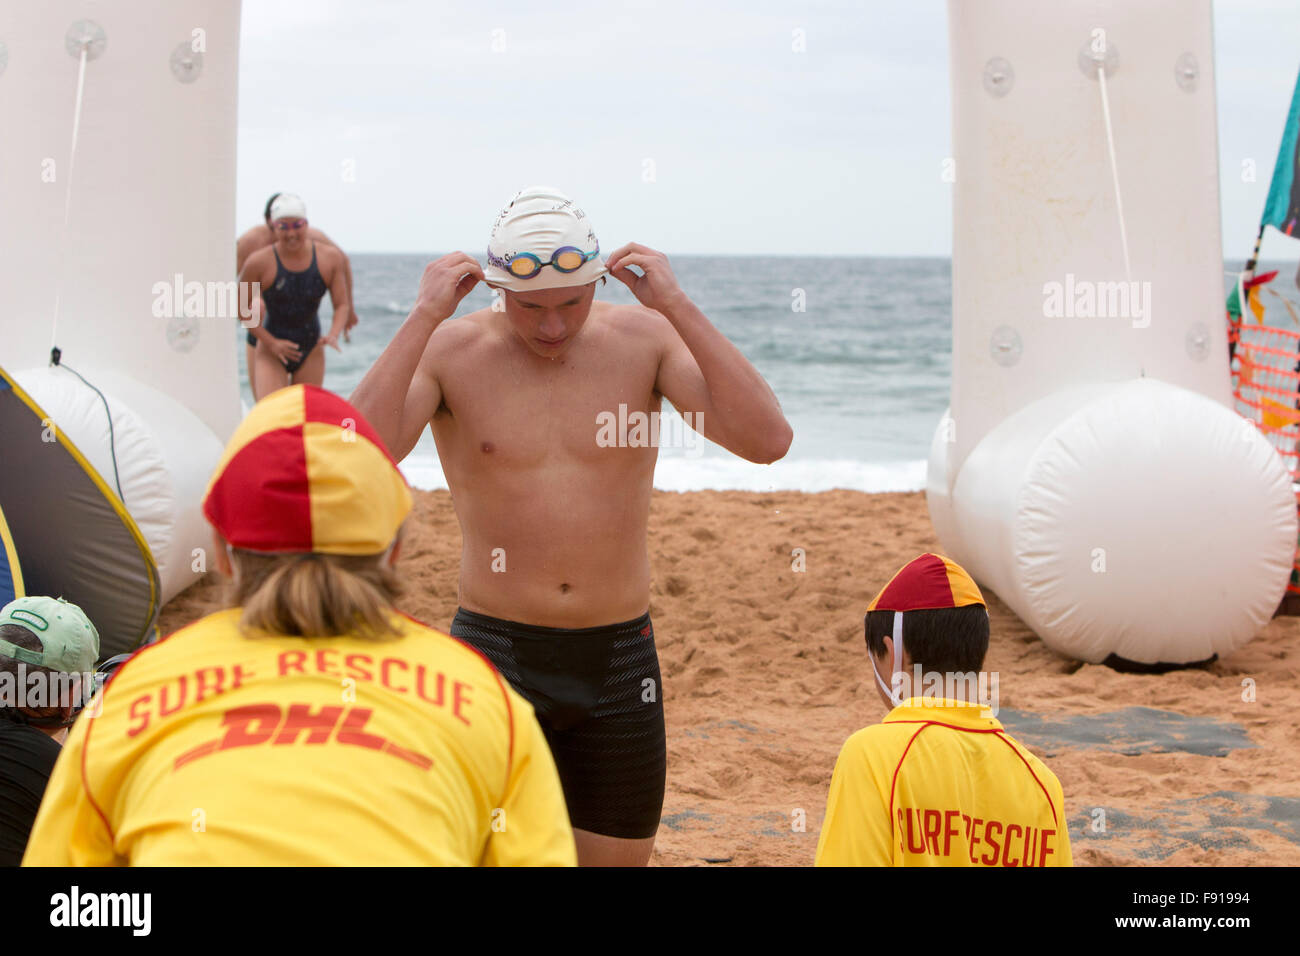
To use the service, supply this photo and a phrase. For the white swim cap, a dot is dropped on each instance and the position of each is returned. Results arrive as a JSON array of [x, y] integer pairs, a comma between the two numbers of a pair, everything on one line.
[[288, 206], [538, 221]]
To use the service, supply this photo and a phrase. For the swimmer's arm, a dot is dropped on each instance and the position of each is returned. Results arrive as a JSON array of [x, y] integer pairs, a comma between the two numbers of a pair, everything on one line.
[[352, 311], [703, 373], [252, 310], [245, 246], [400, 393], [699, 370], [339, 297], [319, 236]]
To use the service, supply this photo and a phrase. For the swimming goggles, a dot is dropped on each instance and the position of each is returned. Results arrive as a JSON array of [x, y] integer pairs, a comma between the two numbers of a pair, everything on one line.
[[525, 265], [284, 225]]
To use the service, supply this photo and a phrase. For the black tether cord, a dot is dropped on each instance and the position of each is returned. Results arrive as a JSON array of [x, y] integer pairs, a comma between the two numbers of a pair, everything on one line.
[[55, 355]]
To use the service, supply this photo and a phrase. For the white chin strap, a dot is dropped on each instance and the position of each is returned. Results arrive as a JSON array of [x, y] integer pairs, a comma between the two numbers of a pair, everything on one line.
[[898, 661], [234, 567]]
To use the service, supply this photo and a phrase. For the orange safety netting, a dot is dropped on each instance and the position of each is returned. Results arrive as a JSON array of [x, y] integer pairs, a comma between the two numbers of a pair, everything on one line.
[[1266, 386]]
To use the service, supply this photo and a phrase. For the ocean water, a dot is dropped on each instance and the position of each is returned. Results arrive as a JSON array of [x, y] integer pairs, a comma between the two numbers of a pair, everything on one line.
[[862, 373]]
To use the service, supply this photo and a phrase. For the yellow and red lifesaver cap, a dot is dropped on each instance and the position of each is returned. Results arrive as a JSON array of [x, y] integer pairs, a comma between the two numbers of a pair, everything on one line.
[[305, 471], [925, 583]]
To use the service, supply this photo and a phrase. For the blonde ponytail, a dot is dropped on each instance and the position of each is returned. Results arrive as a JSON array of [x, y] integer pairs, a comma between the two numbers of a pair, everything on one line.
[[315, 595]]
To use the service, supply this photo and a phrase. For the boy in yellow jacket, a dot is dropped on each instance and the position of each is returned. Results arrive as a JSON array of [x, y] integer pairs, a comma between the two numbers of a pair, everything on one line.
[[310, 723], [938, 782]]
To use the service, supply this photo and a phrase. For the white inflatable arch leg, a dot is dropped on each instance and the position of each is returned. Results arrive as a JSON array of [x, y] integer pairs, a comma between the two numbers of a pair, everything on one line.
[[1137, 519]]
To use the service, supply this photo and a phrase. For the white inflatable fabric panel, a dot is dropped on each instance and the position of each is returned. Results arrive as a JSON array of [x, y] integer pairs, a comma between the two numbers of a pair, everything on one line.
[[152, 192], [1034, 202], [164, 454], [1137, 519]]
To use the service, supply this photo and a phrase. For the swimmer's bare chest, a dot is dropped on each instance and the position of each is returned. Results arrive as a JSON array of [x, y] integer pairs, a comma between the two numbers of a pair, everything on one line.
[[551, 493]]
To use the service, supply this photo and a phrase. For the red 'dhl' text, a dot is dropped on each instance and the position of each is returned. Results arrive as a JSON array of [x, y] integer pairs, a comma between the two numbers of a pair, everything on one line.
[[258, 724]]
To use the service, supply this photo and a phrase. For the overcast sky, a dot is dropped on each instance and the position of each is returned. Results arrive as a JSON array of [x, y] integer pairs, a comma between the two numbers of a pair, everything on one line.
[[407, 124]]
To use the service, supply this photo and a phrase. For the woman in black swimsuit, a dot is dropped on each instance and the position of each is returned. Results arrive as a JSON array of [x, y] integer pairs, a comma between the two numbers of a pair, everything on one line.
[[294, 274]]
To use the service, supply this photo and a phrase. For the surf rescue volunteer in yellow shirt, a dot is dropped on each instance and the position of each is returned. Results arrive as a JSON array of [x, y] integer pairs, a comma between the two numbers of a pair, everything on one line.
[[938, 782], [941, 785], [234, 743], [216, 749]]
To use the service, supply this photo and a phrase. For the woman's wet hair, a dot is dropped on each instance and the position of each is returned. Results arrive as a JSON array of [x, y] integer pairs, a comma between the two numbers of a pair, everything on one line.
[[266, 213], [315, 595]]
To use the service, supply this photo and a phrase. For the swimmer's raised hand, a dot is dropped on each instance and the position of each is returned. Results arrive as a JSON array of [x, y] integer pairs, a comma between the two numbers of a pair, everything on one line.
[[656, 288], [445, 282]]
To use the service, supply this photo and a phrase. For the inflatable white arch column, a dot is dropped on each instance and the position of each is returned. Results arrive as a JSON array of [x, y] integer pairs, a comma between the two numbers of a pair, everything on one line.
[[1090, 470], [152, 202]]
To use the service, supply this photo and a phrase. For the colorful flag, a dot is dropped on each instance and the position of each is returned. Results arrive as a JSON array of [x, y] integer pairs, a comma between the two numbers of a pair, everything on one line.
[[1282, 209]]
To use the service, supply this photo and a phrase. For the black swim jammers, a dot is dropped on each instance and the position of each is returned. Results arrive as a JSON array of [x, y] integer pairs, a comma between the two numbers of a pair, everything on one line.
[[597, 693]]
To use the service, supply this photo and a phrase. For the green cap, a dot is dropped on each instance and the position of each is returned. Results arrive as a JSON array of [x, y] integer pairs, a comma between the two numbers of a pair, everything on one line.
[[69, 641]]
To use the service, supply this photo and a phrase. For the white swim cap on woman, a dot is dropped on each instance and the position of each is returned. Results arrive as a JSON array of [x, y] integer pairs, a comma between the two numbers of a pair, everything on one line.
[[538, 221], [288, 206]]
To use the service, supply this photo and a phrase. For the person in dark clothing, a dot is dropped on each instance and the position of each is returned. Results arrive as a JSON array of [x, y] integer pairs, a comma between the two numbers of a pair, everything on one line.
[[48, 649]]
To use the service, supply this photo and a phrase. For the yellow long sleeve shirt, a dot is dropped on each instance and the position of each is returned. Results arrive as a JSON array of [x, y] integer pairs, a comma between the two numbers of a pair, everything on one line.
[[940, 783], [212, 748]]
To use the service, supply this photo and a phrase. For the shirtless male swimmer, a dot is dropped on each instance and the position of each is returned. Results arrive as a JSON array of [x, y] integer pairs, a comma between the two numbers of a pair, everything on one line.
[[555, 574]]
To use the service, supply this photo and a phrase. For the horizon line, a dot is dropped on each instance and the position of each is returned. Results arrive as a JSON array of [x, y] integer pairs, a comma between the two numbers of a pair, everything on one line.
[[769, 255]]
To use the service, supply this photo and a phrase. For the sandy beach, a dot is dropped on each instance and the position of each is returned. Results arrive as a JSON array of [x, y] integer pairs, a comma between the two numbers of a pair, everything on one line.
[[765, 676]]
